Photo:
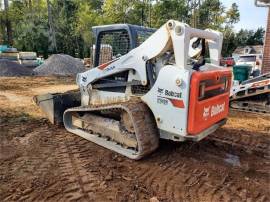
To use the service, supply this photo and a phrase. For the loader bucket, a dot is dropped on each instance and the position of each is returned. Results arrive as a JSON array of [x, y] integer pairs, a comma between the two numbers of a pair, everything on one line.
[[54, 105]]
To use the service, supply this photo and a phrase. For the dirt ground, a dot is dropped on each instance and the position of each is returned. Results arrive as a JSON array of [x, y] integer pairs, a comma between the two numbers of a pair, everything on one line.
[[40, 161]]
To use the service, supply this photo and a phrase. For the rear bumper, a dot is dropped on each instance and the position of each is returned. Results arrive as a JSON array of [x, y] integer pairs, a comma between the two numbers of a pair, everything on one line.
[[197, 137], [207, 131]]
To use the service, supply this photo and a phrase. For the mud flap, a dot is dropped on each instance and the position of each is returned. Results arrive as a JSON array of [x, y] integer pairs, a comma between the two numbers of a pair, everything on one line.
[[54, 105]]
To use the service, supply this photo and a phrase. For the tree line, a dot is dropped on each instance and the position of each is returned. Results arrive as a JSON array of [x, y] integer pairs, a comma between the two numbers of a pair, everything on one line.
[[64, 26]]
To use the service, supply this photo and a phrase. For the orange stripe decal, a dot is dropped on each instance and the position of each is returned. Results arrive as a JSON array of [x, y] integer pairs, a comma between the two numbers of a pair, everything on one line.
[[104, 65], [261, 83], [177, 103]]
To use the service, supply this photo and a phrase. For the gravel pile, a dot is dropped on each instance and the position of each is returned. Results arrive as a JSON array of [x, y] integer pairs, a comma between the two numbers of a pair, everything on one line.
[[10, 68], [60, 64]]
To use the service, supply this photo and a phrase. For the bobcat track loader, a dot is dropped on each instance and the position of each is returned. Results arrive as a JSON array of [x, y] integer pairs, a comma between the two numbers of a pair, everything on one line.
[[156, 90]]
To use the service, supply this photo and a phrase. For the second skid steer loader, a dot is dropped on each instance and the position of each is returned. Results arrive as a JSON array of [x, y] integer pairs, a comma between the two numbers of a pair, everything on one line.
[[161, 89]]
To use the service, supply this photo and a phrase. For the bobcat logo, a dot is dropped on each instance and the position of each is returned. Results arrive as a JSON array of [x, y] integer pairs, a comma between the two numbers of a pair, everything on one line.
[[213, 110], [217, 109], [206, 112], [160, 90], [84, 79]]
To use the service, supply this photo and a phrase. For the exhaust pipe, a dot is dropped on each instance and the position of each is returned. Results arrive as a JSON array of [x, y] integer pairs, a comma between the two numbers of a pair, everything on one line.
[[54, 105]]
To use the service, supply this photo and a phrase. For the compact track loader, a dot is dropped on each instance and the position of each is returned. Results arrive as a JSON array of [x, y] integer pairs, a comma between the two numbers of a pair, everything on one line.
[[160, 87]]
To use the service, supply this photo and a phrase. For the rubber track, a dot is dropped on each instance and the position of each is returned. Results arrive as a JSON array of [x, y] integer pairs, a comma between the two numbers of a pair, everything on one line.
[[250, 110], [143, 120]]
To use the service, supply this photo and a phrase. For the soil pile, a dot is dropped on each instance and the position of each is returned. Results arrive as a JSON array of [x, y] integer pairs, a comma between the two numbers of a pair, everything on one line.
[[60, 64], [10, 68]]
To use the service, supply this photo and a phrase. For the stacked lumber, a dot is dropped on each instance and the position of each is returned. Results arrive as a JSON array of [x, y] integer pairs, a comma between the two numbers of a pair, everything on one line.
[[9, 55], [28, 59]]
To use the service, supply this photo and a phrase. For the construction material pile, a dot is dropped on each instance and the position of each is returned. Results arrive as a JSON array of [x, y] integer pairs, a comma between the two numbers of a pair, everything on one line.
[[9, 54], [28, 59], [11, 68], [61, 65]]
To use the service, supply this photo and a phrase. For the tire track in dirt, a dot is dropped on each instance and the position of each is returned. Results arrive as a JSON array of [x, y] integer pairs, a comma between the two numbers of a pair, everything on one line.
[[177, 178], [67, 167], [72, 181], [34, 166], [95, 172], [73, 167], [179, 184], [57, 165], [259, 143]]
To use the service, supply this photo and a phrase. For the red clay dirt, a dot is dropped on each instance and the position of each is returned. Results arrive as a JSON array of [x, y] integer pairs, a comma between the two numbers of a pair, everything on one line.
[[40, 161]]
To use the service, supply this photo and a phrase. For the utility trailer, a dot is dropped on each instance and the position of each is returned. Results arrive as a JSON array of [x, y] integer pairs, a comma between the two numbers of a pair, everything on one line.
[[252, 95]]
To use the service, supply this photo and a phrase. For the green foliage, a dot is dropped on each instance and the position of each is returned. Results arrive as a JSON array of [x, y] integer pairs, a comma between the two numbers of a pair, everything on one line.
[[64, 22], [170, 9], [30, 30], [115, 10], [211, 14], [2, 27], [87, 15], [256, 38], [123, 11], [242, 38], [233, 15], [69, 22]]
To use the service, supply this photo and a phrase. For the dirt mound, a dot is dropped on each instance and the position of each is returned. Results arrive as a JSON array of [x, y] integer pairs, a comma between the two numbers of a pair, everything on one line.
[[10, 68], [60, 64]]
